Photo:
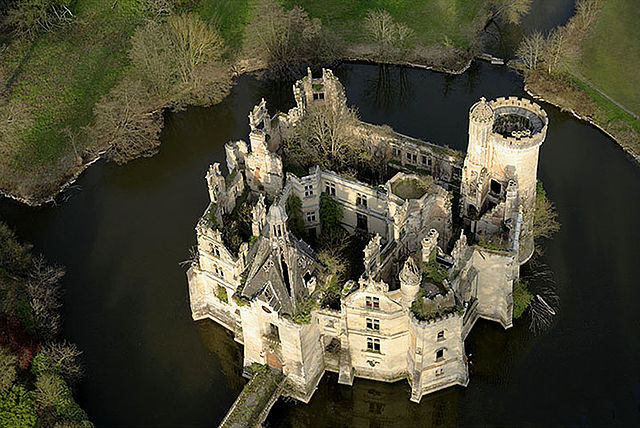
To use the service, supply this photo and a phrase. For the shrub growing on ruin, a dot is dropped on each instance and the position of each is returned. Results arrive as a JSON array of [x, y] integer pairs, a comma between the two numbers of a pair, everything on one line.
[[522, 298], [295, 222], [330, 214]]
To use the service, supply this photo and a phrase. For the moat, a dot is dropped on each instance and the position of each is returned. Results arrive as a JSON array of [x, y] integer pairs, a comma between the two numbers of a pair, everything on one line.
[[122, 238]]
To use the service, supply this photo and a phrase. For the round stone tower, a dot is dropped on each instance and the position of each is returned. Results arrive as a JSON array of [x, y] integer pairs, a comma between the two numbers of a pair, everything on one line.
[[505, 136]]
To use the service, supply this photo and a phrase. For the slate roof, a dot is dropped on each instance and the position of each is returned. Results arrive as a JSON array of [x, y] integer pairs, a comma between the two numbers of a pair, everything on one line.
[[279, 284]]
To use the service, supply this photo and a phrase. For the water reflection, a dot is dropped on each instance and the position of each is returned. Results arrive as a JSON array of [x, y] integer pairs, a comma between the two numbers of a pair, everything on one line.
[[368, 404]]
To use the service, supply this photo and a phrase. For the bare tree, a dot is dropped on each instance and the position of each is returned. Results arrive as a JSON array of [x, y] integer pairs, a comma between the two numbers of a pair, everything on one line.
[[179, 60], [324, 136], [510, 11], [284, 39], [62, 358], [44, 292], [556, 50], [29, 17], [8, 369], [531, 50], [126, 123], [390, 36], [195, 42]]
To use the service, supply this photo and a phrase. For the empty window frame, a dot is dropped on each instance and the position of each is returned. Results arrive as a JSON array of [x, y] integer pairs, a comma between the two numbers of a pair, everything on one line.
[[373, 324], [372, 302], [330, 188], [441, 335], [440, 355], [361, 200], [308, 190], [373, 344]]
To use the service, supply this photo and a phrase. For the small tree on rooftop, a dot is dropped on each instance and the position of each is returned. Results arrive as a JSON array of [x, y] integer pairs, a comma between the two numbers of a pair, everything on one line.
[[324, 136]]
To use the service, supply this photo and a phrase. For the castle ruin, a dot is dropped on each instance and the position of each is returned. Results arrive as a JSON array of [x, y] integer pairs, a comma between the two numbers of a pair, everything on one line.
[[424, 282]]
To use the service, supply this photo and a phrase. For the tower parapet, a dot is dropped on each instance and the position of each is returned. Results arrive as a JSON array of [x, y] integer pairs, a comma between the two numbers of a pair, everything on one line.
[[505, 136]]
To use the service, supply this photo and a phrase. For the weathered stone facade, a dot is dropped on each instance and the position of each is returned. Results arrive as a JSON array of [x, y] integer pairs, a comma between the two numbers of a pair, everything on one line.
[[408, 314]]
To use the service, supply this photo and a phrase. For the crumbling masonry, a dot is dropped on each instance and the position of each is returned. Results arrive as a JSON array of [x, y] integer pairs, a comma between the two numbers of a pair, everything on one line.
[[399, 320]]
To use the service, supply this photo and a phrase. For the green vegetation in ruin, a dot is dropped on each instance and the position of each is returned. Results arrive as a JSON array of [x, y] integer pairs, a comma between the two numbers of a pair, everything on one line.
[[409, 188], [330, 213], [36, 369], [317, 87], [434, 22], [210, 216], [295, 222], [424, 312], [522, 298], [253, 240], [495, 242], [237, 224], [434, 272], [303, 310], [221, 294], [254, 397]]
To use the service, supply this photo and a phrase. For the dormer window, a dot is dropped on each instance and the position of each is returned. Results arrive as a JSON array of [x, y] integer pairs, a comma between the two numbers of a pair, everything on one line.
[[372, 302]]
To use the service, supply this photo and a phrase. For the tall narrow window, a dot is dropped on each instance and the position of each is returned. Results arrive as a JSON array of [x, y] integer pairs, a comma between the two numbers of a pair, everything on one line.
[[439, 354], [362, 222], [361, 200], [330, 188]]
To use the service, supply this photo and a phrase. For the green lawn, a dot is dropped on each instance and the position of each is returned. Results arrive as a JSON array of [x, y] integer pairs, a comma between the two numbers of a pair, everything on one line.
[[62, 74], [610, 57], [434, 21]]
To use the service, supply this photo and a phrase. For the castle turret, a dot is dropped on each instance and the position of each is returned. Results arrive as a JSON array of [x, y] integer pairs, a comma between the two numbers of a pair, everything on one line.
[[429, 244], [505, 136], [410, 277], [215, 182]]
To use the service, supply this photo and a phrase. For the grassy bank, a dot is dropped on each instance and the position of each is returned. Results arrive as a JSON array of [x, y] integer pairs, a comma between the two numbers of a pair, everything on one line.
[[452, 23], [51, 83], [599, 80]]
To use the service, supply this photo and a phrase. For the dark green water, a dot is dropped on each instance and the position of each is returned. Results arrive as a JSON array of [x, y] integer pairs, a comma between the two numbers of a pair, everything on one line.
[[123, 231]]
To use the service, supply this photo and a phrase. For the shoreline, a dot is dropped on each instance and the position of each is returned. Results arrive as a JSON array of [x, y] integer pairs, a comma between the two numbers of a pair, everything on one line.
[[243, 69], [540, 97]]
